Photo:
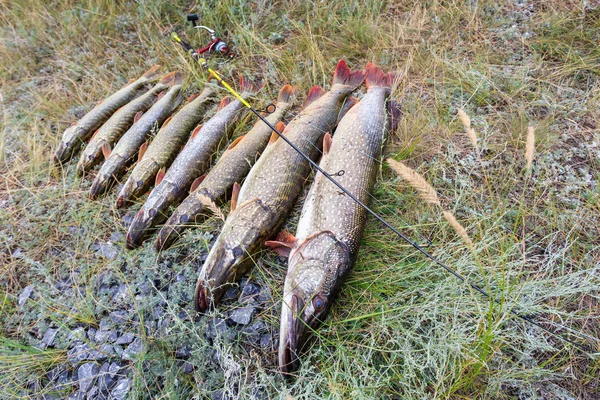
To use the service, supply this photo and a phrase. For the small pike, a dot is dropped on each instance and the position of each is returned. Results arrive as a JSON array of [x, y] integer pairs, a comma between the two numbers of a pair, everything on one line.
[[126, 149], [331, 223], [165, 146], [271, 188], [232, 167], [79, 132], [119, 123], [188, 168]]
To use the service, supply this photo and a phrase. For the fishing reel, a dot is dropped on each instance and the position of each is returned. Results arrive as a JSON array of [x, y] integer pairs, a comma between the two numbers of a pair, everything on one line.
[[216, 45]]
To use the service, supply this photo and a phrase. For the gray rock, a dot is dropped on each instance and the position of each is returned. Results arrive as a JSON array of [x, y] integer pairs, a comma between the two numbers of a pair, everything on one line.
[[106, 380], [188, 368], [125, 339], [118, 350], [114, 335], [121, 296], [266, 341], [183, 352], [119, 317], [133, 349], [87, 375], [49, 336], [116, 236], [91, 334], [78, 353], [101, 336], [242, 315], [106, 250], [25, 294], [105, 324], [250, 289], [231, 293], [76, 334], [92, 393], [63, 380], [113, 369], [120, 390], [216, 327]]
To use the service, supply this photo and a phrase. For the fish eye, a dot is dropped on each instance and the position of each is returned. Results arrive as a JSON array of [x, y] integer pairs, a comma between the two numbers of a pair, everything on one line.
[[318, 303], [237, 251]]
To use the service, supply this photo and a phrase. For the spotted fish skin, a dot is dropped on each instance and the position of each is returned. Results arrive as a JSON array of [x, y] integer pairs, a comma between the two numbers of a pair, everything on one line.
[[119, 123], [78, 133], [191, 163], [165, 146], [233, 166], [271, 189], [331, 223], [128, 146]]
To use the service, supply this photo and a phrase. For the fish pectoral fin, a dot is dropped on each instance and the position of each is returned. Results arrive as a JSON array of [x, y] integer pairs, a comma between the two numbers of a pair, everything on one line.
[[224, 103], [235, 142], [142, 151], [197, 182], [283, 244], [106, 150], [137, 117], [327, 143], [159, 176], [234, 195], [161, 95], [95, 133], [167, 121], [192, 98], [195, 132]]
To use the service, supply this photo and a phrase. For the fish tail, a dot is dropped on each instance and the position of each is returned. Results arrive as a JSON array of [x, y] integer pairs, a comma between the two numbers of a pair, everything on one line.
[[249, 86], [376, 77], [314, 94], [286, 93], [152, 74], [344, 76], [172, 78], [394, 113]]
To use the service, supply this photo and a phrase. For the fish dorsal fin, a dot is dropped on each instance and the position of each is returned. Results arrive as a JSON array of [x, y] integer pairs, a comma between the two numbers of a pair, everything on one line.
[[224, 102], [129, 82], [152, 73], [95, 133], [274, 136], [75, 123], [314, 94], [235, 193], [235, 142], [168, 79], [161, 95], [197, 183], [142, 151], [178, 78], [100, 102], [106, 150], [159, 176], [137, 117], [167, 121], [195, 132], [326, 143], [192, 98], [286, 93], [283, 244]]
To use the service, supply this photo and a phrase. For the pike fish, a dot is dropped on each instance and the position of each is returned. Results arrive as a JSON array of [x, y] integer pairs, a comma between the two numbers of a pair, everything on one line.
[[79, 132], [331, 223], [271, 188], [119, 123], [232, 167], [188, 168], [165, 146], [133, 140]]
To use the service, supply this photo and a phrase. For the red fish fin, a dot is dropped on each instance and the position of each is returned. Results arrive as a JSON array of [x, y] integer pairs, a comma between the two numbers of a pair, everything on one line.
[[161, 95], [137, 117], [314, 94], [152, 73], [224, 102], [95, 133], [348, 104], [344, 76], [286, 93], [75, 123], [394, 114], [170, 78], [197, 182], [106, 150], [235, 193], [274, 136], [376, 77], [100, 102], [246, 85], [192, 98], [142, 151], [283, 244], [129, 82], [327, 143], [167, 121], [195, 132], [178, 78], [159, 176], [235, 142]]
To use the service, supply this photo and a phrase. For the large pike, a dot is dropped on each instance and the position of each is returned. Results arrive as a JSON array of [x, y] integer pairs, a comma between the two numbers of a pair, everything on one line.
[[133, 141], [79, 132], [271, 188], [165, 146], [232, 167], [119, 123], [187, 171], [331, 223]]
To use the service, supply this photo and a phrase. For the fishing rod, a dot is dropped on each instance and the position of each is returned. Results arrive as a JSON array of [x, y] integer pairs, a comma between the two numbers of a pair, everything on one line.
[[204, 64]]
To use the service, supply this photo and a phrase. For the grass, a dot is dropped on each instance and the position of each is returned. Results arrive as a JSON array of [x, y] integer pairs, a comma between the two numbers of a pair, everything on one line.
[[401, 328]]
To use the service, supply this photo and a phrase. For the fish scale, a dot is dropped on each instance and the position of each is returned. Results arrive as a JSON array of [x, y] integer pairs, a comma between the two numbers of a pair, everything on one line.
[[79, 132], [165, 146], [232, 167], [271, 188]]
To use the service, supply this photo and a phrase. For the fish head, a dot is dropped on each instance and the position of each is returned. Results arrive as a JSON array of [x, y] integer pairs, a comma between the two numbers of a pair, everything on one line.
[[230, 257], [67, 144], [315, 272]]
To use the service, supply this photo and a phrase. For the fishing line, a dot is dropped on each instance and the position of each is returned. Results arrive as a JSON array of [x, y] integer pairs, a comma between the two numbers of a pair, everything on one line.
[[449, 269]]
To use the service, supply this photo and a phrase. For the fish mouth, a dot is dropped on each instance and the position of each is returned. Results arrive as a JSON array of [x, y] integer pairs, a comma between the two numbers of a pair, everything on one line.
[[201, 298], [98, 187], [292, 332], [137, 230], [120, 201]]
